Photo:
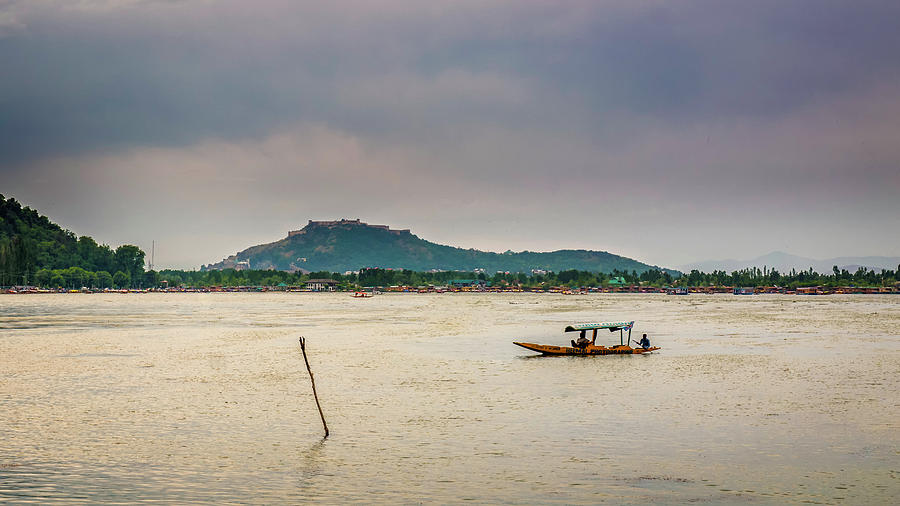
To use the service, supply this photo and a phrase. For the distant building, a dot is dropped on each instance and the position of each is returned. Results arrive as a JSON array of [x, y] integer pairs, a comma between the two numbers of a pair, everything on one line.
[[344, 222], [321, 285]]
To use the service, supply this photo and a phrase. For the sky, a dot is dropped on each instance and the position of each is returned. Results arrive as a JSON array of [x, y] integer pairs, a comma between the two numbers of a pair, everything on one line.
[[666, 131]]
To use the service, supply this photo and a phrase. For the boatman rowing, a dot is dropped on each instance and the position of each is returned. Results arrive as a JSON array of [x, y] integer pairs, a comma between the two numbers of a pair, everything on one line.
[[645, 343]]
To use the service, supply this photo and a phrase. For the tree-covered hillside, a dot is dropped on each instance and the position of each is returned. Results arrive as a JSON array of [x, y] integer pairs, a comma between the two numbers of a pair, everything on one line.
[[350, 245], [33, 248]]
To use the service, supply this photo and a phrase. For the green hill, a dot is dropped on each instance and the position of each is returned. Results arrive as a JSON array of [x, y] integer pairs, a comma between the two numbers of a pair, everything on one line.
[[347, 245], [31, 244]]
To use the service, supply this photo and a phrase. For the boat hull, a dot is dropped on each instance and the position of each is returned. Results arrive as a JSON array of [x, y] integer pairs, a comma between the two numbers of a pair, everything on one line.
[[547, 349]]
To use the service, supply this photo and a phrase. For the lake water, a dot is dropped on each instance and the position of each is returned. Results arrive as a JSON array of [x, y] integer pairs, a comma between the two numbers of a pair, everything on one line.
[[204, 398]]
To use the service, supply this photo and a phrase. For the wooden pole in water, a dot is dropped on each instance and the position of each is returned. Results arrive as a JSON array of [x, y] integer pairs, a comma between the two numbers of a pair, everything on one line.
[[313, 381]]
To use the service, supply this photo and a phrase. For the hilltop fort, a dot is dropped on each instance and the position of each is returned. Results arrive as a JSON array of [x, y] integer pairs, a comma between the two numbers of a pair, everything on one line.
[[344, 223]]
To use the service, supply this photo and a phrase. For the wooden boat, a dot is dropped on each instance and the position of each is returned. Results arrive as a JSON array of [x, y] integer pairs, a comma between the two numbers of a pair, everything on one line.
[[362, 295], [592, 348]]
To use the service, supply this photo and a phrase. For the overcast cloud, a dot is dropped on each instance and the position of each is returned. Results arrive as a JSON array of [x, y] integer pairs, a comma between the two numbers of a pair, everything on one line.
[[665, 131]]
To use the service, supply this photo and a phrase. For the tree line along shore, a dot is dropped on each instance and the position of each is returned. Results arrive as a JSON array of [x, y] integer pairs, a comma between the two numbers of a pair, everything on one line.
[[400, 280]]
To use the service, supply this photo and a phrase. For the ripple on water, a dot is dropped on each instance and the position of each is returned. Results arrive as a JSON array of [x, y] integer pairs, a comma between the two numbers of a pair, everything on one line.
[[205, 398]]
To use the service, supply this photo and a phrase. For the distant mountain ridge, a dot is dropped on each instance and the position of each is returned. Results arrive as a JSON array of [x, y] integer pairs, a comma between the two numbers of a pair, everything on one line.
[[784, 262], [349, 245]]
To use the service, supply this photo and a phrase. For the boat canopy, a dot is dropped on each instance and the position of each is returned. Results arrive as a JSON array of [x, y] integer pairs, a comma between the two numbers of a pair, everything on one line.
[[612, 326]]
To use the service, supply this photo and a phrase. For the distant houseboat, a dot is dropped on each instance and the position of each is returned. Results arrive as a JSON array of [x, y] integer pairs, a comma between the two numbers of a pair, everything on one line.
[[744, 290], [677, 291]]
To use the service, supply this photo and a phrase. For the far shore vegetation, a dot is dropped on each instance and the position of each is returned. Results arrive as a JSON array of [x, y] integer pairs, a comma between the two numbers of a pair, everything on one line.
[[74, 278]]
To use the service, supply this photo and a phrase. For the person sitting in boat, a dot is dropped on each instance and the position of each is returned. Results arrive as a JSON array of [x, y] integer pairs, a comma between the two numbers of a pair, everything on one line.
[[645, 342], [582, 341]]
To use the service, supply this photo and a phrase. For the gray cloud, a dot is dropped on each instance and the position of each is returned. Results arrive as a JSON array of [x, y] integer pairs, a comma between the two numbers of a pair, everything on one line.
[[661, 120]]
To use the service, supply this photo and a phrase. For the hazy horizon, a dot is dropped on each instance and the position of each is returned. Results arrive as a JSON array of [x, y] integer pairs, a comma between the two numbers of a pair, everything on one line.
[[685, 266], [671, 133]]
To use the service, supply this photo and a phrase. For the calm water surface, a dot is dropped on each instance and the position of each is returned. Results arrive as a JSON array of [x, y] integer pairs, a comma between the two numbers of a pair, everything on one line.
[[205, 398]]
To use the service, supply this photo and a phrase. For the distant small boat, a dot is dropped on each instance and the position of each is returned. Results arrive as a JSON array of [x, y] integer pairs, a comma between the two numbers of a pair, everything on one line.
[[362, 295], [592, 348]]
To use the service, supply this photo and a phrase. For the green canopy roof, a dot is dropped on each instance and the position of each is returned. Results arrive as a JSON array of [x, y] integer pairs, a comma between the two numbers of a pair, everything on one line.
[[612, 326]]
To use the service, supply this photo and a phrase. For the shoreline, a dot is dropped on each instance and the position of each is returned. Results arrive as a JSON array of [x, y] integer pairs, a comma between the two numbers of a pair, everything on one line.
[[383, 291]]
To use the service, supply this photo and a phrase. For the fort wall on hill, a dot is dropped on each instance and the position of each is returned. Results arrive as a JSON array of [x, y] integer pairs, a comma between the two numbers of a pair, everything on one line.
[[336, 223]]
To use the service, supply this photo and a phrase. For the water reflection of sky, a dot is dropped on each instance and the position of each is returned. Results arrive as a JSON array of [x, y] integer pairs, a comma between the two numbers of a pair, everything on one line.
[[204, 397]]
